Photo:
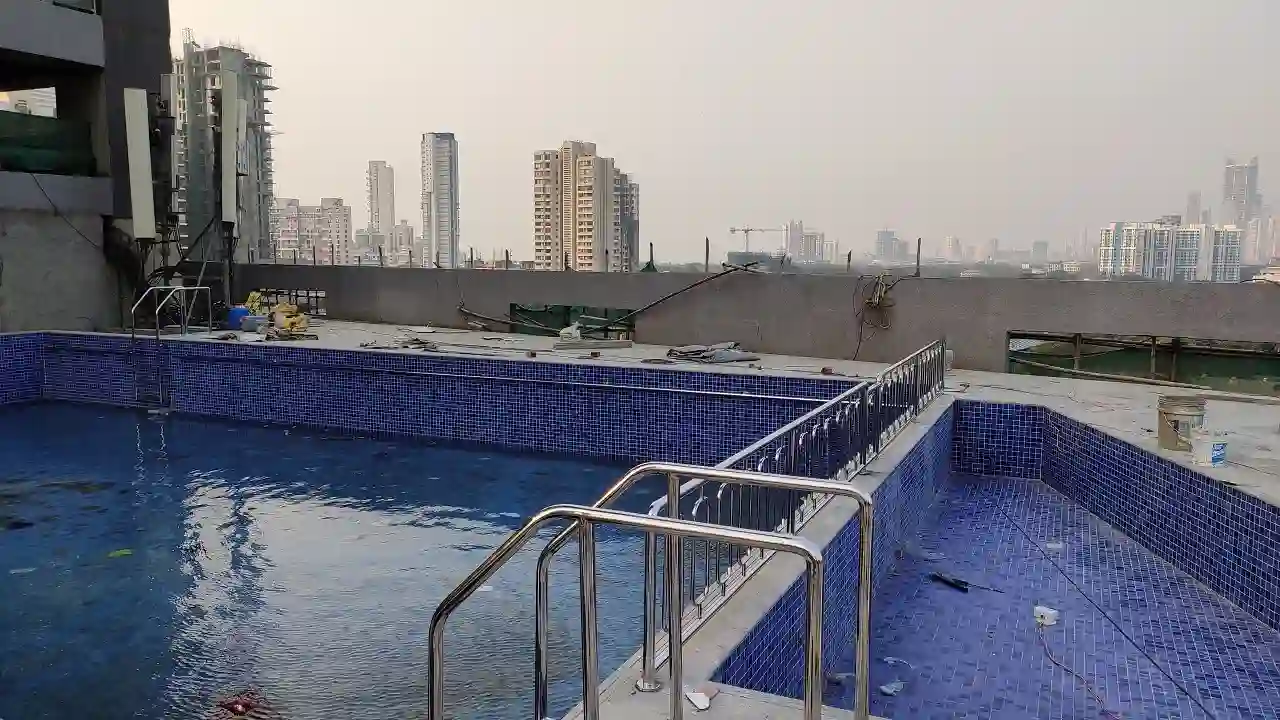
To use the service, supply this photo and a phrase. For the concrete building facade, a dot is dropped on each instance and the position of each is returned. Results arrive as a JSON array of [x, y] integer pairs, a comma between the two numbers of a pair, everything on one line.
[[304, 231], [198, 76], [585, 211], [380, 196], [1170, 251], [440, 199], [64, 186], [1241, 198]]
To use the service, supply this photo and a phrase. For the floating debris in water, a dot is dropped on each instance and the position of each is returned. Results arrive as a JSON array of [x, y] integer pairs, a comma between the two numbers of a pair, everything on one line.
[[18, 524], [836, 678], [898, 661], [122, 552], [893, 688], [22, 571], [1054, 545], [486, 588]]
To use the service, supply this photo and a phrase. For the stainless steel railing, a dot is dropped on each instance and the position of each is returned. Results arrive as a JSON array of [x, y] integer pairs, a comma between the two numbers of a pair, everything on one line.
[[584, 521], [768, 486], [673, 474], [169, 292]]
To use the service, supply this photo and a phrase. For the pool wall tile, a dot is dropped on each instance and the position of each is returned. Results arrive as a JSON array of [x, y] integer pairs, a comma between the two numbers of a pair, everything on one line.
[[1226, 539], [21, 371], [1000, 439], [622, 413], [770, 657]]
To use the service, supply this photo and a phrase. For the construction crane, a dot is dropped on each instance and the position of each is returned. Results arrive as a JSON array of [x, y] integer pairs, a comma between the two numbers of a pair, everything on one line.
[[746, 233]]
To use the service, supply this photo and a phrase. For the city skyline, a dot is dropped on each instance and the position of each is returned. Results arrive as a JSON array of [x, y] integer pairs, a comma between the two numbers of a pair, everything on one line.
[[964, 141]]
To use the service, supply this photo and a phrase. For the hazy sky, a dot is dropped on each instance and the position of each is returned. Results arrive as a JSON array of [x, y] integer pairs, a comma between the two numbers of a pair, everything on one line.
[[1016, 119]]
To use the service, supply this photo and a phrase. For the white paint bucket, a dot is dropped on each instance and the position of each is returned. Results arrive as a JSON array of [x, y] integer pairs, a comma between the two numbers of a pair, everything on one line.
[[1208, 448], [1179, 417]]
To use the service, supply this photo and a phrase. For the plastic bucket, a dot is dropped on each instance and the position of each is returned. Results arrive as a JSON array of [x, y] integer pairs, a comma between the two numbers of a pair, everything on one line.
[[1180, 417], [1208, 448]]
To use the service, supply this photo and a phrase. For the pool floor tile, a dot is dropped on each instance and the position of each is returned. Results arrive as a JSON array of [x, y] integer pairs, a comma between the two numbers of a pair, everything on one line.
[[1150, 641]]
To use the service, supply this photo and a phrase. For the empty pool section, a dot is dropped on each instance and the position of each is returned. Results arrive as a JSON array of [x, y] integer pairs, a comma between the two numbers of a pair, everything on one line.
[[190, 527]]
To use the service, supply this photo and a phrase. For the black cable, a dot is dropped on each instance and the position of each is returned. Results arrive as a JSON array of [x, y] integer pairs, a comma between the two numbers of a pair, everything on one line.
[[58, 213], [1114, 623], [185, 253], [664, 298]]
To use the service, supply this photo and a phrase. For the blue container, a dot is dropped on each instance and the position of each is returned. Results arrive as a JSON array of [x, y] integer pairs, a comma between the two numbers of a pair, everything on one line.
[[236, 316]]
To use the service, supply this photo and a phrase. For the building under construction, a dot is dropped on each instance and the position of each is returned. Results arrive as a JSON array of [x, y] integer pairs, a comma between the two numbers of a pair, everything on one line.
[[199, 77]]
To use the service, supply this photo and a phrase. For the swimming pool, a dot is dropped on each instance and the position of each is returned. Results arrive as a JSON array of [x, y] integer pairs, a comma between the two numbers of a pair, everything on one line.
[[153, 564]]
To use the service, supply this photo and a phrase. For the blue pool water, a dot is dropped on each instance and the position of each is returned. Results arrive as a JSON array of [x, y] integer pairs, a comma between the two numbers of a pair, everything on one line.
[[152, 565], [1137, 638]]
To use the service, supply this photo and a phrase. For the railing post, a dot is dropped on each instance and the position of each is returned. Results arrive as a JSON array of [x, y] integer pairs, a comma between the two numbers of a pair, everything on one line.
[[675, 602], [675, 659], [862, 637], [813, 645], [647, 681], [590, 663]]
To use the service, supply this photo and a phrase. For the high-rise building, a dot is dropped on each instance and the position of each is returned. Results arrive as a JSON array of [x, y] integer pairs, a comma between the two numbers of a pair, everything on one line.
[[1194, 207], [1171, 252], [402, 238], [1040, 252], [380, 189], [440, 206], [1241, 201], [624, 251], [887, 245], [322, 232], [198, 77], [955, 249], [585, 211]]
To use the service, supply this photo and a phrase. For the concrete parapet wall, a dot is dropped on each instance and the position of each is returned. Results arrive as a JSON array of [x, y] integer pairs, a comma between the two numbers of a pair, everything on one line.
[[809, 315]]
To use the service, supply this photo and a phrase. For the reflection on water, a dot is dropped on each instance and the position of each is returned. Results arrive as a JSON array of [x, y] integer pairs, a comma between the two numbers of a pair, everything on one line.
[[157, 566]]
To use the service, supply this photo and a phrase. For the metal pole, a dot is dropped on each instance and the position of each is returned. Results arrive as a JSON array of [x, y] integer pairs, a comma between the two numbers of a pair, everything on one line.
[[647, 681], [862, 631], [675, 660], [590, 664], [506, 259], [813, 648], [706, 255]]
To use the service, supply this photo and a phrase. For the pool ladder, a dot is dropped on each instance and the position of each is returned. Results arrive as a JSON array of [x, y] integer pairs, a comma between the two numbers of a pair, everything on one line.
[[582, 522], [148, 364]]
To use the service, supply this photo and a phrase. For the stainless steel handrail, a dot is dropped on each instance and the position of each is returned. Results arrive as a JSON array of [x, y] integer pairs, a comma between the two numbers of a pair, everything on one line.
[[673, 473], [179, 290], [584, 521]]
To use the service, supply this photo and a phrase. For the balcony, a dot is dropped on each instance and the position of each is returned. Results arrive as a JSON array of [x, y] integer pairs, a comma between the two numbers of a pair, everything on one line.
[[68, 30]]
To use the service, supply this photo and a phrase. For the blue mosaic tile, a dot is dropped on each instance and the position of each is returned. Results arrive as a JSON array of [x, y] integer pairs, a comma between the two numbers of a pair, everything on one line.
[[770, 658], [622, 413], [1223, 657], [999, 439], [1222, 537], [22, 370], [979, 654]]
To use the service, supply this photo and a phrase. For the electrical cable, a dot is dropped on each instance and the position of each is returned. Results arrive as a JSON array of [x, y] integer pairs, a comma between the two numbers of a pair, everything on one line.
[[1114, 623], [185, 253], [58, 213], [664, 298]]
